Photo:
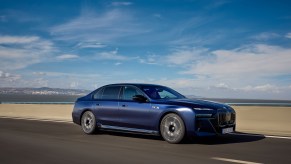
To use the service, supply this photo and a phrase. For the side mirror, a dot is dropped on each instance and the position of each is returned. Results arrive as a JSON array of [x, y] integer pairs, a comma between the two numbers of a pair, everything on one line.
[[139, 98]]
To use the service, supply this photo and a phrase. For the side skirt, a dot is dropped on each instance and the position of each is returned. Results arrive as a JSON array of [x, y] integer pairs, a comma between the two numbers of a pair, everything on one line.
[[129, 130]]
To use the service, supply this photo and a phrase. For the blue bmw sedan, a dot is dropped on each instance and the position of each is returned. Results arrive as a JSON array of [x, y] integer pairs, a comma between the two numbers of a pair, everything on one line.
[[151, 109]]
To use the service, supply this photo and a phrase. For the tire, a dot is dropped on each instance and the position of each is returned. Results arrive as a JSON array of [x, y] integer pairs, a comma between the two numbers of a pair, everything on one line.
[[88, 122], [172, 128]]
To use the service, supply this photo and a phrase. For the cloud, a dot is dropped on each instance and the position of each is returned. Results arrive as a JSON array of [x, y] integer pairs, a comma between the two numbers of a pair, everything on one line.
[[185, 55], [222, 86], [74, 84], [288, 35], [18, 52], [6, 77], [90, 26], [248, 61], [121, 3], [111, 55], [67, 56], [266, 36], [39, 73], [251, 88], [264, 88], [117, 64], [18, 39], [90, 45], [150, 59]]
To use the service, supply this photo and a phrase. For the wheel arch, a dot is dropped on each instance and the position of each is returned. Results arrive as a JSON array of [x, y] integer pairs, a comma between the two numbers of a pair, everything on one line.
[[83, 111], [187, 116]]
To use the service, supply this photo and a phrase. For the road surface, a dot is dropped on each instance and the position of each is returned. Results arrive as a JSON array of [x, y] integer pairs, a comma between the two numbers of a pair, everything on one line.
[[27, 141]]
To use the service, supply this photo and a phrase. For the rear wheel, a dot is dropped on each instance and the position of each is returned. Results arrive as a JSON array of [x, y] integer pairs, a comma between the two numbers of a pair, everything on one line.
[[172, 128], [88, 122]]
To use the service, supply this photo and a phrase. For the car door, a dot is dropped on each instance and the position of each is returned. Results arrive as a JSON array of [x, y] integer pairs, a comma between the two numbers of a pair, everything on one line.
[[106, 103], [134, 114]]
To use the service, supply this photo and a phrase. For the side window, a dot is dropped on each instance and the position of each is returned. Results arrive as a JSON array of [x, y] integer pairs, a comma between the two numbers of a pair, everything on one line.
[[165, 94], [98, 94], [129, 92], [111, 92]]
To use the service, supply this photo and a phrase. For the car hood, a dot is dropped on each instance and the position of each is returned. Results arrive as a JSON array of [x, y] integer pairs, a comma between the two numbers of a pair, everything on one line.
[[197, 103]]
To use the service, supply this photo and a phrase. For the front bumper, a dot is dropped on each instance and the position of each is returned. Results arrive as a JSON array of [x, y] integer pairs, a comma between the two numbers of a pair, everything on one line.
[[218, 124]]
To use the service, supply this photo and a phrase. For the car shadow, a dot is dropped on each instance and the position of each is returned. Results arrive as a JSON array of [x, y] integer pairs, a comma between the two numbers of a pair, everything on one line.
[[238, 137], [131, 135]]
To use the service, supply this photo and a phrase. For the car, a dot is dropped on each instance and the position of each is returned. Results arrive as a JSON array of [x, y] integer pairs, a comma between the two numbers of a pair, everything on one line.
[[151, 109]]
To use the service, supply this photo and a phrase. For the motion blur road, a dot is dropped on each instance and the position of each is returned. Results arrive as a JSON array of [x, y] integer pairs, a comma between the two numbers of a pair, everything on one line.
[[25, 141]]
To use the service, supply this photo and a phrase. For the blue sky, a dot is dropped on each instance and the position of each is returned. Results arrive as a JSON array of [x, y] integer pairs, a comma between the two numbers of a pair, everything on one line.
[[222, 49]]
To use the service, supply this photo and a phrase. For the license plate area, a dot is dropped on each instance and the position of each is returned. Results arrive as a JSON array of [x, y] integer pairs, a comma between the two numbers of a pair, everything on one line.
[[227, 130]]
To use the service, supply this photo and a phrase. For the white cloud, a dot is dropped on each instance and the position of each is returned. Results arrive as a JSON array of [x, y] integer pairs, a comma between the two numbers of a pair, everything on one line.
[[121, 3], [150, 59], [67, 56], [111, 55], [4, 74], [6, 77], [74, 84], [90, 45], [249, 61], [39, 73], [103, 27], [222, 86], [263, 88], [266, 36], [186, 56], [18, 39], [288, 35], [117, 64], [39, 82], [18, 52]]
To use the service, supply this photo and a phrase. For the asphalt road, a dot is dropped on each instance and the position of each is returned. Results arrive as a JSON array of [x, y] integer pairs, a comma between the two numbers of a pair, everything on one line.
[[24, 141]]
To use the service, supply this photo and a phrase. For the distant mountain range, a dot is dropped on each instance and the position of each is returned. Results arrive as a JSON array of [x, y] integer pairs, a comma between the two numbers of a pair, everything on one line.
[[44, 91]]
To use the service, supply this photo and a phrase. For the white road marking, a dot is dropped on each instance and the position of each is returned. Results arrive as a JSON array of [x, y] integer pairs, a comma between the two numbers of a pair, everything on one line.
[[260, 135], [234, 160], [37, 119]]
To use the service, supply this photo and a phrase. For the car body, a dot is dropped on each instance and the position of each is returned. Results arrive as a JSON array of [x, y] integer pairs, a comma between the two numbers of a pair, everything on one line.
[[151, 109]]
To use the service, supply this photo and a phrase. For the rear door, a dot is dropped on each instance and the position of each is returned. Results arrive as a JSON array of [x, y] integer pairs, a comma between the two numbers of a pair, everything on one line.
[[106, 103]]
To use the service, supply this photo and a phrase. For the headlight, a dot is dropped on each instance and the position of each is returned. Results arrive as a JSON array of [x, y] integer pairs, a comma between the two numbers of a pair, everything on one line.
[[203, 109]]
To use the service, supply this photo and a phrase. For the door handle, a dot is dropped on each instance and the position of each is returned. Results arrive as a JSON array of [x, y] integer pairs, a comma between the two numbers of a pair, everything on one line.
[[97, 104], [124, 105]]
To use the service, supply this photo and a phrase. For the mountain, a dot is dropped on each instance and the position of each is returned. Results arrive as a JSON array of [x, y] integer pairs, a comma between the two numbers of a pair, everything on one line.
[[43, 91]]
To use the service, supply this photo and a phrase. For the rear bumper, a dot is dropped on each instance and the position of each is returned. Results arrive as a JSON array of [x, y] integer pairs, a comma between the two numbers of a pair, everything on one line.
[[76, 117]]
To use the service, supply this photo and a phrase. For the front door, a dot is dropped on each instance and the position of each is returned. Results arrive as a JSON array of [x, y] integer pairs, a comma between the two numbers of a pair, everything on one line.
[[134, 114]]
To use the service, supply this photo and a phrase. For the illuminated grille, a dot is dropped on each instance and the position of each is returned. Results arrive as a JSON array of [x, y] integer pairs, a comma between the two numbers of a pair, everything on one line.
[[226, 118]]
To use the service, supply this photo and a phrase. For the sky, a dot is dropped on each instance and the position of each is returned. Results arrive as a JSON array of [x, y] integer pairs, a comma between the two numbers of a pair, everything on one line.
[[215, 49]]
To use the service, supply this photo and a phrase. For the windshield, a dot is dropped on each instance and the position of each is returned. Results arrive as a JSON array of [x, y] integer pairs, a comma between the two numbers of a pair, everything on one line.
[[160, 92]]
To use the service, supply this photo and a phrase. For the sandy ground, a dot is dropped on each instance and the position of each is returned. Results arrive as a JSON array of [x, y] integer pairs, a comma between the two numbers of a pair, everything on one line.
[[250, 119], [37, 111]]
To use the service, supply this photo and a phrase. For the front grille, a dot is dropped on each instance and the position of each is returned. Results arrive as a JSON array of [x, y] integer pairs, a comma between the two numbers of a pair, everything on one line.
[[225, 118]]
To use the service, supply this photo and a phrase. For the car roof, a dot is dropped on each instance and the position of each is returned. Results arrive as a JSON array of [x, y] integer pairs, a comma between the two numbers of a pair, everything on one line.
[[134, 84]]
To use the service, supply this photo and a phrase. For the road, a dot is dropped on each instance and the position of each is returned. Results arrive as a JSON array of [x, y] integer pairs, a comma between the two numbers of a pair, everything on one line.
[[26, 141]]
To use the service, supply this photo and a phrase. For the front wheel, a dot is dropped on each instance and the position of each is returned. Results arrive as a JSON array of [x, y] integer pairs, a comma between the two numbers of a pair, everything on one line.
[[172, 128], [88, 122]]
